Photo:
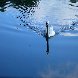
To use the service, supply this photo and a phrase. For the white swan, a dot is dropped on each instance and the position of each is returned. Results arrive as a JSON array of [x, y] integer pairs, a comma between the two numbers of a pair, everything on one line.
[[49, 30]]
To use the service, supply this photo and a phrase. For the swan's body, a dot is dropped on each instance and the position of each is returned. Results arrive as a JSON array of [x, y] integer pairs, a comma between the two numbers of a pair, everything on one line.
[[49, 30]]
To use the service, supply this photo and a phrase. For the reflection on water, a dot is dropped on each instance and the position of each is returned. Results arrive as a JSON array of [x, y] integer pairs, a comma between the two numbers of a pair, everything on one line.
[[2, 5], [73, 1], [67, 70], [33, 14], [47, 43], [22, 52], [22, 4]]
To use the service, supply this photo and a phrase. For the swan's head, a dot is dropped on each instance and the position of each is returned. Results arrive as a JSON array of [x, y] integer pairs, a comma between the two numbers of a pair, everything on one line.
[[47, 22]]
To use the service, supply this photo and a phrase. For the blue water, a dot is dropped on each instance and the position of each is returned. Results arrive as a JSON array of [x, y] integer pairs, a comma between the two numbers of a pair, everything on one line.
[[23, 48]]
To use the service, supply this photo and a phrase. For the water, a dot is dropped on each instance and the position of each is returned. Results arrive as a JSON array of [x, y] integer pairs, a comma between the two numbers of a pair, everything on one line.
[[25, 52]]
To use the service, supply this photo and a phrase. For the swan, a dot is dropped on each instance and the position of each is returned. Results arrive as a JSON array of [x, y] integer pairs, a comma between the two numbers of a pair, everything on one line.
[[49, 30]]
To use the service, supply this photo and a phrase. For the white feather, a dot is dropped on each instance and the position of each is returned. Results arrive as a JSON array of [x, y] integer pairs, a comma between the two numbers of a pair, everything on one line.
[[51, 32]]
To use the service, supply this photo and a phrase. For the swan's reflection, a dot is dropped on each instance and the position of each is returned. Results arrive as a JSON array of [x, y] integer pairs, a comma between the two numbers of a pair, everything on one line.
[[47, 43], [49, 33], [26, 18]]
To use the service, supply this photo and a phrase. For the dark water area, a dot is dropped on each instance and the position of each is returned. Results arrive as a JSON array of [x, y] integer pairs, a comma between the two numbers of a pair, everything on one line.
[[24, 50]]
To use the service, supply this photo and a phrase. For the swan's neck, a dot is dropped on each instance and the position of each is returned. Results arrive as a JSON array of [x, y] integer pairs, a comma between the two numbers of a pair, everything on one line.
[[46, 29]]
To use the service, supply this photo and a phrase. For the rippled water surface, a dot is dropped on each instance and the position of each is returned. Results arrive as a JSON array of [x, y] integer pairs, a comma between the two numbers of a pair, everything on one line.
[[25, 51]]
